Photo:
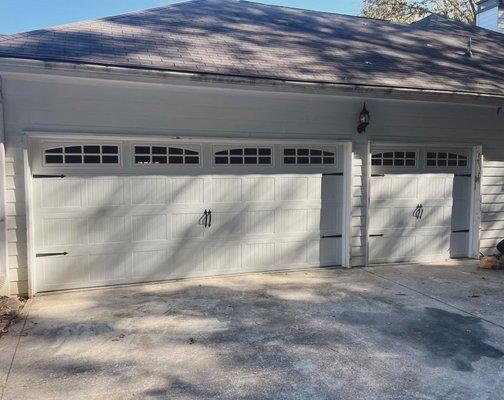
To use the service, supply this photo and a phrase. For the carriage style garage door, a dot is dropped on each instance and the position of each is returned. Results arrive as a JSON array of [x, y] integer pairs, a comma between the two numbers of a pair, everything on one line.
[[119, 212], [420, 204]]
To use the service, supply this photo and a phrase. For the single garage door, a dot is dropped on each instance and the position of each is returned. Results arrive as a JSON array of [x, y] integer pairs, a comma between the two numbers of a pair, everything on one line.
[[420, 204], [135, 211]]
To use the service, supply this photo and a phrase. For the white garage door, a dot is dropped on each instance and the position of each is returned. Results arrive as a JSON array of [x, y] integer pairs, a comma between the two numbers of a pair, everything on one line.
[[141, 211], [420, 202]]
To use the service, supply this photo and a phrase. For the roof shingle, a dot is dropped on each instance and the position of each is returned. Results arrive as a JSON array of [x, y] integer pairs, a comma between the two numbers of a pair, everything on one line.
[[255, 40]]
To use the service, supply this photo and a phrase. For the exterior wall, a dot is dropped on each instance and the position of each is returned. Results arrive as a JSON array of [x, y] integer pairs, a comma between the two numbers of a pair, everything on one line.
[[492, 193], [76, 106], [491, 15], [500, 23]]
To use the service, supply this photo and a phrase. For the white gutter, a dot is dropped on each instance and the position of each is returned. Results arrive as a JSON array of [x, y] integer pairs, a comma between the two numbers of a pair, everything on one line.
[[94, 71], [4, 279]]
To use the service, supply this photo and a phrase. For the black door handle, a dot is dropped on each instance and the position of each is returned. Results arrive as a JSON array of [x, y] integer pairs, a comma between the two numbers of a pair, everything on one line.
[[203, 219], [421, 212], [416, 213], [209, 218]]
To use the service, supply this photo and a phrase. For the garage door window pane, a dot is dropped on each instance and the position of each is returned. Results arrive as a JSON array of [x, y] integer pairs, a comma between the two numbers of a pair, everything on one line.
[[160, 155], [443, 159], [92, 149], [396, 159], [50, 159], [244, 156], [91, 159], [83, 154], [305, 156]]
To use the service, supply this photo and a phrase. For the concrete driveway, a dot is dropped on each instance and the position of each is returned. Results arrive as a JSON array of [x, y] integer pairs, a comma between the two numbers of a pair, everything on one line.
[[401, 332]]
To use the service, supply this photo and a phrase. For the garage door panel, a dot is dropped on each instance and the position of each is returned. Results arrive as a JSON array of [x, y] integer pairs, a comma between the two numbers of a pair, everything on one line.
[[402, 248], [292, 188], [185, 259], [291, 253], [258, 255], [291, 221], [104, 229], [403, 188], [139, 223], [150, 264], [150, 227], [226, 190], [325, 187], [258, 189], [259, 222], [187, 225], [109, 267], [432, 187], [148, 191], [326, 251], [439, 216], [64, 230], [326, 220], [62, 272], [106, 192], [226, 224], [60, 193], [222, 258], [187, 190]]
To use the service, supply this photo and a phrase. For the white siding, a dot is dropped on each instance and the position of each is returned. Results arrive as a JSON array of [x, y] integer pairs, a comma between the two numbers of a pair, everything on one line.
[[488, 19], [359, 202], [77, 105], [492, 207]]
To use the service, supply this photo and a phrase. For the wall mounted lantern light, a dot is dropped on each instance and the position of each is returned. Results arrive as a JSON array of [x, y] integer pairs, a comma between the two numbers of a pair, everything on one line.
[[364, 118]]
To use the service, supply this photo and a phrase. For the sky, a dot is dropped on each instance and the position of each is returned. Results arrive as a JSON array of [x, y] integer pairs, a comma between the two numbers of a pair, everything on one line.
[[25, 15]]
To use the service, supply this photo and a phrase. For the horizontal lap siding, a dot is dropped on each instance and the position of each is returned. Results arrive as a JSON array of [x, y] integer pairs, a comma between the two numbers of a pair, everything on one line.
[[492, 205], [358, 218], [16, 223]]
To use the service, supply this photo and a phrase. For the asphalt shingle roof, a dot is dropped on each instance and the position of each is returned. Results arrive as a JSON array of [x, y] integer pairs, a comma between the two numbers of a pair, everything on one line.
[[249, 39]]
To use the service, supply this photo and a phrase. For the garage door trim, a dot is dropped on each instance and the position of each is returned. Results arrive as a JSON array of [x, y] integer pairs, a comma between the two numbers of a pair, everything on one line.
[[345, 163]]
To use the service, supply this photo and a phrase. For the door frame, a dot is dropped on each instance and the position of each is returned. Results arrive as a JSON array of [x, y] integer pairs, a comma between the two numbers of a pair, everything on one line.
[[29, 136], [475, 150]]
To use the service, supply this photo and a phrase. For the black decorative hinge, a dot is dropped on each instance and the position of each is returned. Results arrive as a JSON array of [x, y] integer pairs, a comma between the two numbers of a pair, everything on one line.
[[333, 174], [377, 235], [331, 236], [49, 176], [464, 175], [376, 175], [51, 254], [461, 231]]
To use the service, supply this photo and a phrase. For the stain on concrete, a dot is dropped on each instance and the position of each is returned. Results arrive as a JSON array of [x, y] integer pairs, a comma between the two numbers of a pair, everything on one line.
[[446, 338]]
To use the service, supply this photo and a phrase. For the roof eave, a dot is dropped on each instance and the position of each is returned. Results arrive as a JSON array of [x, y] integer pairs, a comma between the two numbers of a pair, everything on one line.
[[150, 75]]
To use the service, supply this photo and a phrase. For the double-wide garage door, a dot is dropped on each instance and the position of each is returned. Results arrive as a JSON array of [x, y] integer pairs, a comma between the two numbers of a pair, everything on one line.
[[122, 212]]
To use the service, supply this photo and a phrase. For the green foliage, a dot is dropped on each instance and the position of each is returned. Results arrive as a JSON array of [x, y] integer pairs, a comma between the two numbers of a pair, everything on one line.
[[408, 11]]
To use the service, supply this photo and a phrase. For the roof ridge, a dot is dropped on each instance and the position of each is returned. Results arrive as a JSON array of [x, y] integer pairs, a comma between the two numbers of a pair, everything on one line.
[[181, 3], [109, 17], [318, 12]]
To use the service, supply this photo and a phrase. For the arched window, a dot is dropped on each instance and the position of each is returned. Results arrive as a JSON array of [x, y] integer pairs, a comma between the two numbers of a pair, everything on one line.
[[82, 154], [445, 159], [152, 155], [307, 156], [394, 158], [244, 156]]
